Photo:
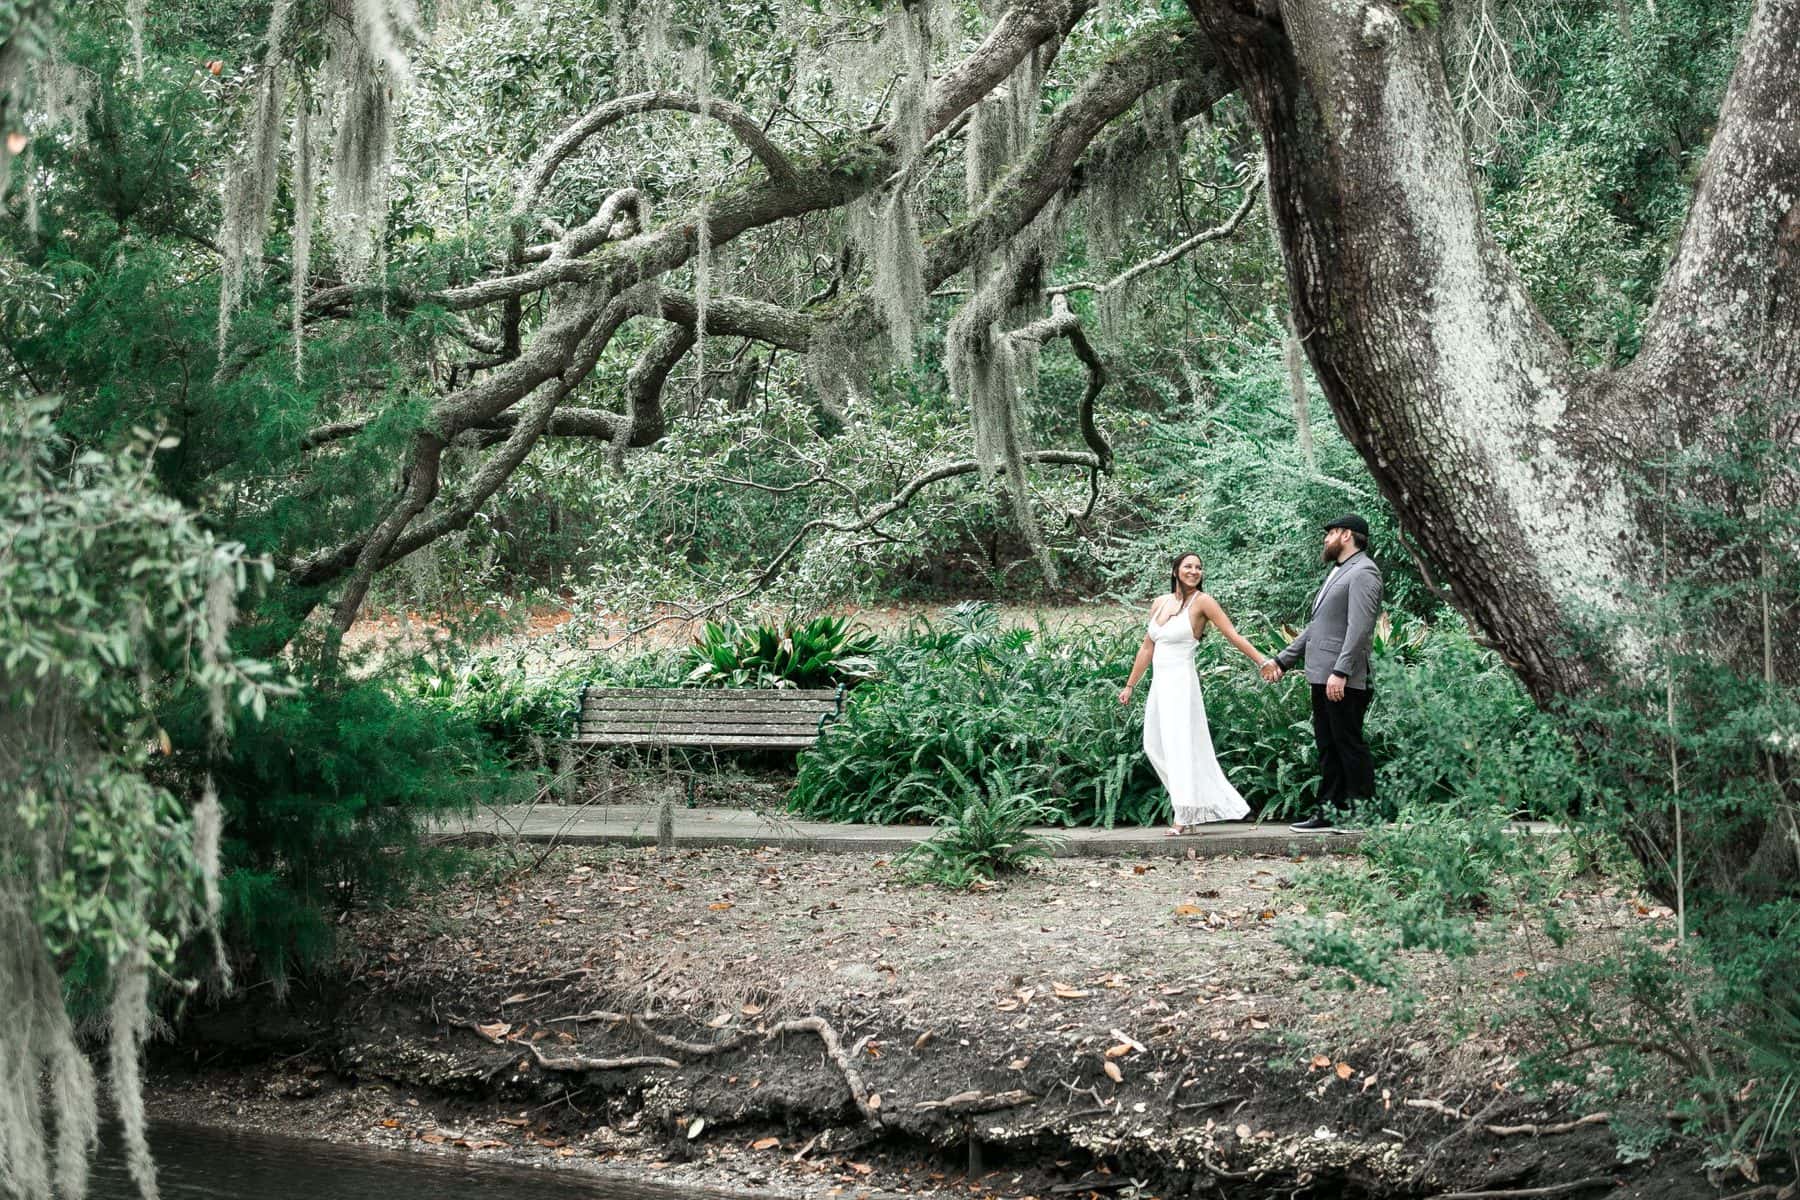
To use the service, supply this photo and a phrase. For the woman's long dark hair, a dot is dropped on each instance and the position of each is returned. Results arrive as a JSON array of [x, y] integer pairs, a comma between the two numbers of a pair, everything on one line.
[[1175, 576]]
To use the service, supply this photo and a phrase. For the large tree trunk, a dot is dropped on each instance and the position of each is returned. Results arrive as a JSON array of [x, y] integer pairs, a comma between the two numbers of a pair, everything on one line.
[[1514, 468]]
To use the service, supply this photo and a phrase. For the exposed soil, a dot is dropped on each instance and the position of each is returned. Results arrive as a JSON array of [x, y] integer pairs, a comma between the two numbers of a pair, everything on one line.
[[1090, 1025], [550, 636]]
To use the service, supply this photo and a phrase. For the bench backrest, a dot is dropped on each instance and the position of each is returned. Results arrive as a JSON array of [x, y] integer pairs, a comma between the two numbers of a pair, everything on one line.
[[717, 718]]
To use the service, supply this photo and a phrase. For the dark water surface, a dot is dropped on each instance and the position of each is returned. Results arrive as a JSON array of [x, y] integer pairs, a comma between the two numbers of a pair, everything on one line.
[[193, 1162]]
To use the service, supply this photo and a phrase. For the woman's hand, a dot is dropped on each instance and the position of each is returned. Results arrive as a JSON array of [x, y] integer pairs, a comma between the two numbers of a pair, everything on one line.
[[1125, 694]]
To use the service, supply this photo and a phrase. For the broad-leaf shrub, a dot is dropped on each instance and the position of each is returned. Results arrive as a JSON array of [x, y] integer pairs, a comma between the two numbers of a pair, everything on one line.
[[794, 654]]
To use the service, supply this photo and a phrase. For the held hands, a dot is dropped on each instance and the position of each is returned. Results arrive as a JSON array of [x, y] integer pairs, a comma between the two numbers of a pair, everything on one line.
[[1271, 671]]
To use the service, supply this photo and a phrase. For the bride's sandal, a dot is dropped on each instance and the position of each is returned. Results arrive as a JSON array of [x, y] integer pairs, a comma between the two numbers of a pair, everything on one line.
[[1173, 831]]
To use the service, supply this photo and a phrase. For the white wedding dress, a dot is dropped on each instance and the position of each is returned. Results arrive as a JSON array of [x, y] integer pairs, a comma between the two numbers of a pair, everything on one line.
[[1176, 738]]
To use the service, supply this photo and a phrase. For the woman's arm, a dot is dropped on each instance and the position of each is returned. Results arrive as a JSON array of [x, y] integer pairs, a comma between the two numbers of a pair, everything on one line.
[[1210, 610], [1142, 661], [1138, 666]]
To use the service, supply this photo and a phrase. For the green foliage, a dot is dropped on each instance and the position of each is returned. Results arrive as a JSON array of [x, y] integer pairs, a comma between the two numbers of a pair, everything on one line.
[[109, 593], [975, 699], [1600, 115], [1450, 721], [983, 830], [327, 805], [1421, 14], [798, 654], [1039, 706], [1683, 750], [500, 698]]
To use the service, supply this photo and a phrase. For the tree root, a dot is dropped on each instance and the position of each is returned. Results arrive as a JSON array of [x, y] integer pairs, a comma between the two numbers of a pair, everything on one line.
[[580, 1063], [976, 1102], [1442, 1109], [1555, 1189], [868, 1105], [1598, 1118]]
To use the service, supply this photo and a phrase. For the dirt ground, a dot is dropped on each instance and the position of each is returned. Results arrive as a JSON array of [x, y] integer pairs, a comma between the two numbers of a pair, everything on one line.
[[550, 636], [1093, 1023]]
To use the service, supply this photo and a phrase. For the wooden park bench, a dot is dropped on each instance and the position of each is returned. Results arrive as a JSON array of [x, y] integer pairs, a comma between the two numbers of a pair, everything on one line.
[[704, 719]]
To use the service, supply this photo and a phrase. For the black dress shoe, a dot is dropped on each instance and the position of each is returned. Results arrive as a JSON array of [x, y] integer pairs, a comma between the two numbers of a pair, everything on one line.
[[1311, 825]]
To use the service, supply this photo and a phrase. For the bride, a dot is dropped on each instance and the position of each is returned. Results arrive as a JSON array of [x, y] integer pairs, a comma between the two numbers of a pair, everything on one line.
[[1176, 738]]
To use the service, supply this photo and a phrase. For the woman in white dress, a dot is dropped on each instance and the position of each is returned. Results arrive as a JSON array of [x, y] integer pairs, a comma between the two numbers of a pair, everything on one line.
[[1176, 738]]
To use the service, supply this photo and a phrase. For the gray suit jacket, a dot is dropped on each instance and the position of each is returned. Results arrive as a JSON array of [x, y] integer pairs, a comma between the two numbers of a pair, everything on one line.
[[1336, 639]]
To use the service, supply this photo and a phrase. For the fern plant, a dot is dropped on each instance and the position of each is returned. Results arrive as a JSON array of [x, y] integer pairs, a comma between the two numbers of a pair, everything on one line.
[[985, 829]]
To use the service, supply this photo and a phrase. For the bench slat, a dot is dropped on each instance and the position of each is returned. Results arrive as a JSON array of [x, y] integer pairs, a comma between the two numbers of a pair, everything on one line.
[[697, 728], [706, 742], [784, 695], [783, 712]]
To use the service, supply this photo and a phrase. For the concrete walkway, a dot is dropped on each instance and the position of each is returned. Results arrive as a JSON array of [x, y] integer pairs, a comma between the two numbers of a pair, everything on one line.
[[635, 825]]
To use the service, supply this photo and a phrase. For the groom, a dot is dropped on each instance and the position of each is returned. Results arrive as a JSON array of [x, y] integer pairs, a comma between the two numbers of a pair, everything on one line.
[[1336, 645]]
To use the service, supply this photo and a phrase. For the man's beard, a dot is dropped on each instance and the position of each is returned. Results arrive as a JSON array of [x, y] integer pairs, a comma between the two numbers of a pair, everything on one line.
[[1328, 554]]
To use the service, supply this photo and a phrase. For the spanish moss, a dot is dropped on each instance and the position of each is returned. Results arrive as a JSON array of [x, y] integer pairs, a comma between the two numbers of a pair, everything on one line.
[[360, 159], [248, 188]]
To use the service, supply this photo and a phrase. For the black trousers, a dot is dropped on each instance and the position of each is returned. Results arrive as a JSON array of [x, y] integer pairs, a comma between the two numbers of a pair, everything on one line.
[[1346, 768]]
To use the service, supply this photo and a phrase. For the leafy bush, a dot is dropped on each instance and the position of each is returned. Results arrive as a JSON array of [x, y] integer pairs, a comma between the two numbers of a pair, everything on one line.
[[327, 803], [977, 700], [984, 830], [811, 654], [1450, 722]]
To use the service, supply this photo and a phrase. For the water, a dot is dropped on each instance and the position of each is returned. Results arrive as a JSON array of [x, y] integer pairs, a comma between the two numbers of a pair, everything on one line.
[[194, 1162]]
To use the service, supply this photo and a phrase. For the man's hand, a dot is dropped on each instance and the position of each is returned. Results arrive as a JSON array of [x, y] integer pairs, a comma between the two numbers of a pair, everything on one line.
[[1334, 687], [1271, 671]]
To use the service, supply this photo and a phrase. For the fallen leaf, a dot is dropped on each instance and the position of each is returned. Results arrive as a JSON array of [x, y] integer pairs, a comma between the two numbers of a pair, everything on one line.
[[874, 1101], [721, 906], [720, 1021], [1112, 1071], [495, 1031], [390, 1123], [1188, 910], [1321, 1061], [1345, 1070], [768, 1143], [515, 1122], [1243, 1132], [1118, 1051], [1369, 1081], [436, 1139], [696, 1128], [862, 1168], [1065, 992], [751, 1010]]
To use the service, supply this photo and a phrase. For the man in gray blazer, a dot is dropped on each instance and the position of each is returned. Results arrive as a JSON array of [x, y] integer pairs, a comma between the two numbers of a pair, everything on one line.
[[1335, 644]]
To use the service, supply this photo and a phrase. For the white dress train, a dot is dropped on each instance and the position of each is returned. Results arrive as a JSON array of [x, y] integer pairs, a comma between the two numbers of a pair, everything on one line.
[[1176, 738]]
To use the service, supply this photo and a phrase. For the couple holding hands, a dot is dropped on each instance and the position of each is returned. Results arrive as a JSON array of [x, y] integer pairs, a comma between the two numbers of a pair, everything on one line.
[[1334, 647]]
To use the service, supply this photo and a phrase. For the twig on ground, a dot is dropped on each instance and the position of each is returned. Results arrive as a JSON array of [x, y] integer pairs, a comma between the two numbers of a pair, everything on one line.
[[1555, 1189], [976, 1102], [611, 1018], [1203, 1105]]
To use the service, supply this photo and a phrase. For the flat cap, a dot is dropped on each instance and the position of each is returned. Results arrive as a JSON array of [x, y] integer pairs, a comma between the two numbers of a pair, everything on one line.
[[1350, 521]]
